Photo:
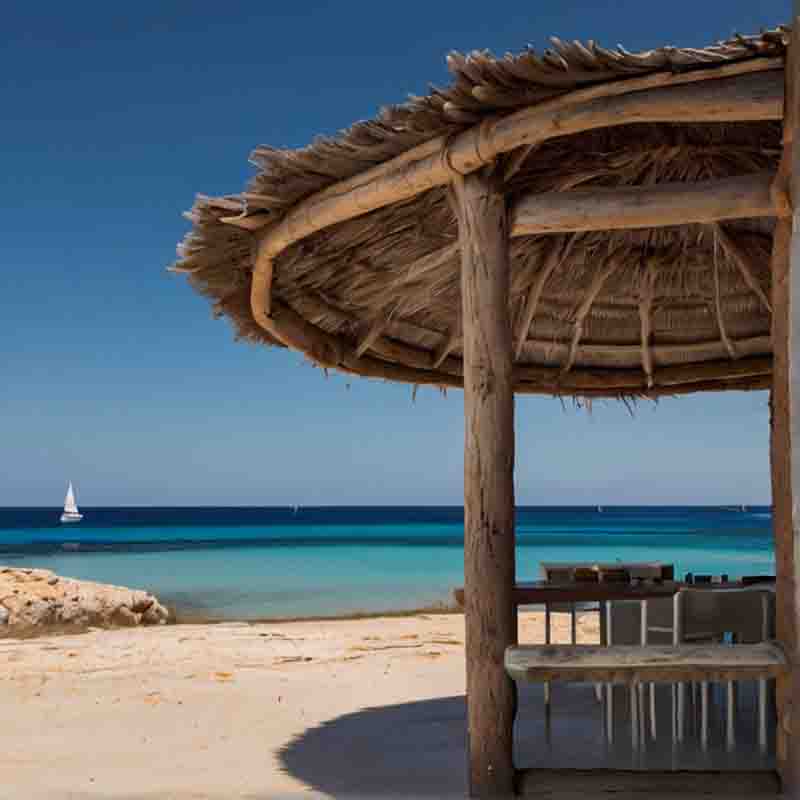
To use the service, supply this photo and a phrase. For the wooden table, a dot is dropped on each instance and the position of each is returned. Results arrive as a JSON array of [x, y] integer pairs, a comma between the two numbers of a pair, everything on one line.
[[543, 592]]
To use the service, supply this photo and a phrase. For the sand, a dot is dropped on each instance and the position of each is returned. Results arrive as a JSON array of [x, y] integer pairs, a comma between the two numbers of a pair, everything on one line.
[[304, 709]]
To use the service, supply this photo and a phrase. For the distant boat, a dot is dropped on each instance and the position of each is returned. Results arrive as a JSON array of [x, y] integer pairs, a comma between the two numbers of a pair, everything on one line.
[[295, 509], [743, 509], [71, 513], [599, 509]]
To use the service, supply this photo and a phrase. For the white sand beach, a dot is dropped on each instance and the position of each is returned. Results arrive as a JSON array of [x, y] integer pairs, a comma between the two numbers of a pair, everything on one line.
[[308, 709]]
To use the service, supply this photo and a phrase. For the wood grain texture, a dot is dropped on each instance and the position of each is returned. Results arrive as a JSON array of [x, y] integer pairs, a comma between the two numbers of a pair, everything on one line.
[[785, 423], [634, 664], [602, 209], [489, 569]]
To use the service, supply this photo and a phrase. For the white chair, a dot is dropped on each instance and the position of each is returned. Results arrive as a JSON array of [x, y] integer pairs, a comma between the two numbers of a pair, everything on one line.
[[744, 615], [561, 573]]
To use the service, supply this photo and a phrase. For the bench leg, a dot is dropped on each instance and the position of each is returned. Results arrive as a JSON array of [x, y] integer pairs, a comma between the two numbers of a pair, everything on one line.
[[704, 715], [762, 715], [610, 712], [681, 693], [731, 719], [653, 711], [641, 706]]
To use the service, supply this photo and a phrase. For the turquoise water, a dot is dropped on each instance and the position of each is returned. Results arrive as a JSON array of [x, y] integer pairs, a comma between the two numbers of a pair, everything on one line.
[[272, 563]]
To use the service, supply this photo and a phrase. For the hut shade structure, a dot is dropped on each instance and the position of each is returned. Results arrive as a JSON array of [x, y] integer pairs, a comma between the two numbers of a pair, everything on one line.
[[580, 222]]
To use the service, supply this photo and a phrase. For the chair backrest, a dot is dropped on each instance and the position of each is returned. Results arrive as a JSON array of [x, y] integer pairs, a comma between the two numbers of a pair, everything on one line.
[[626, 621], [745, 614]]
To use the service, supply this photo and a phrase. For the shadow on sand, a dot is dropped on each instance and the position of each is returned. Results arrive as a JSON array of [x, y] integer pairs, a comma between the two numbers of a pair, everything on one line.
[[418, 749]]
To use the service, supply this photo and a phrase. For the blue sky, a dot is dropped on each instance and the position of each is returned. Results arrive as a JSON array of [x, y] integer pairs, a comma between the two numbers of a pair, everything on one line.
[[114, 373]]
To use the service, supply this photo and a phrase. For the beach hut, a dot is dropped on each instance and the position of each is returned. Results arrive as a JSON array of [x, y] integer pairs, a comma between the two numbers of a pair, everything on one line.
[[585, 223]]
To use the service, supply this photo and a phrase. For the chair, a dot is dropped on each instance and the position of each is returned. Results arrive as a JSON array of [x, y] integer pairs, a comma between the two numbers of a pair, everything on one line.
[[635, 622], [713, 615], [558, 574], [569, 572]]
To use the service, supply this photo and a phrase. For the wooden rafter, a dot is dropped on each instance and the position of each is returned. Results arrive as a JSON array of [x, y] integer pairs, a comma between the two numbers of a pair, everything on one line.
[[725, 93]]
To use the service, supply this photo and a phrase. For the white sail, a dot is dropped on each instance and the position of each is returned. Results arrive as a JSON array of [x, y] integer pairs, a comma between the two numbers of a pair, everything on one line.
[[71, 513], [70, 507]]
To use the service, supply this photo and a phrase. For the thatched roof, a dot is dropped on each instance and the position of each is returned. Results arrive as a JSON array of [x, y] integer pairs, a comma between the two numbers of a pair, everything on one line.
[[595, 313]]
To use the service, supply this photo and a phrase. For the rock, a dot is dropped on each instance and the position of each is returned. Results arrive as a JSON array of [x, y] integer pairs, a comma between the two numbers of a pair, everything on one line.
[[156, 614], [126, 618], [38, 600], [141, 601]]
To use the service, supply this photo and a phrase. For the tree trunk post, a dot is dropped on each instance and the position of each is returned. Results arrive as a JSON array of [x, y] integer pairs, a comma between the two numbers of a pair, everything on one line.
[[785, 423], [489, 571]]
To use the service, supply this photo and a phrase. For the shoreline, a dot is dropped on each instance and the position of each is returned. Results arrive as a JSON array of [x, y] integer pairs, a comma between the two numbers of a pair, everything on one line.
[[182, 617], [177, 619]]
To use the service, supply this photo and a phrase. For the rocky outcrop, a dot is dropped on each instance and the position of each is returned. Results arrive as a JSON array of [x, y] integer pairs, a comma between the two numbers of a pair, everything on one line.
[[37, 599]]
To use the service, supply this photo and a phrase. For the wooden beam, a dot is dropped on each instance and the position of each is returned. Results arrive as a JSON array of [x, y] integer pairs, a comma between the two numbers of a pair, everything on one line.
[[656, 206], [616, 783], [489, 571], [749, 90], [785, 422]]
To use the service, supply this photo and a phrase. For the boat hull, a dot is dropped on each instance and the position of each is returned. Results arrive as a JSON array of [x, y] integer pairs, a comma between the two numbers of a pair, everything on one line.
[[66, 517]]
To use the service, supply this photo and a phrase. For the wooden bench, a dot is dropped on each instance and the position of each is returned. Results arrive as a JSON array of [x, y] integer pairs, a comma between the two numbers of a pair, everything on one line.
[[631, 666], [634, 664]]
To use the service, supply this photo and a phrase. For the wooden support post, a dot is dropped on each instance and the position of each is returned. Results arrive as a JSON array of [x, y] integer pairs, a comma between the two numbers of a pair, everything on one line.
[[785, 422], [489, 573]]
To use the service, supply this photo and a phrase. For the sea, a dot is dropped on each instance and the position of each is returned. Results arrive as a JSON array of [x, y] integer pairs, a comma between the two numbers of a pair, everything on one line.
[[225, 564]]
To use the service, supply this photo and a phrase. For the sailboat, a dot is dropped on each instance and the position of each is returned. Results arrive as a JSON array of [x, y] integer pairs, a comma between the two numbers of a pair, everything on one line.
[[71, 513]]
